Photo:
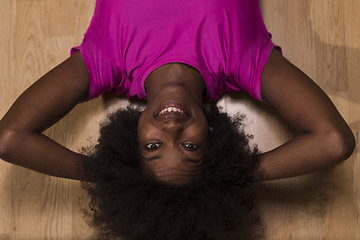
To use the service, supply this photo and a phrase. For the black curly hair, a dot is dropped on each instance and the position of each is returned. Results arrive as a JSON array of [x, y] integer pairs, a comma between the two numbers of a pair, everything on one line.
[[128, 204]]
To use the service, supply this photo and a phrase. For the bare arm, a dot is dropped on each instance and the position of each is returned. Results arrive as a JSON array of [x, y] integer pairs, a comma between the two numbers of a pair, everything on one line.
[[40, 106], [324, 137]]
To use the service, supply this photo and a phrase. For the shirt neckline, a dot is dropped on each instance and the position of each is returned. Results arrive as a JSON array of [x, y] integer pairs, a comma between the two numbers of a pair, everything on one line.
[[154, 64]]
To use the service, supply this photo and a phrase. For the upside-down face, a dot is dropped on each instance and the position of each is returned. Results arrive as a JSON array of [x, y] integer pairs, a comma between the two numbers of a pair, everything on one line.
[[173, 134]]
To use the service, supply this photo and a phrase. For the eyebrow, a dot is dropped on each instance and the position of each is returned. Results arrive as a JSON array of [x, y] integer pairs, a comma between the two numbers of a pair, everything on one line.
[[192, 160]]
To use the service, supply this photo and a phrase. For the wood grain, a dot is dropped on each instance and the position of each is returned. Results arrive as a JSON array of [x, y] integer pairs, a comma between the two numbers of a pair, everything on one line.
[[319, 36]]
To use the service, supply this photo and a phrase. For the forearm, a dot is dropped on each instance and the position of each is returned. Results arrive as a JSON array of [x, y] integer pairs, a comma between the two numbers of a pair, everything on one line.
[[40, 106], [38, 152], [304, 154], [324, 137]]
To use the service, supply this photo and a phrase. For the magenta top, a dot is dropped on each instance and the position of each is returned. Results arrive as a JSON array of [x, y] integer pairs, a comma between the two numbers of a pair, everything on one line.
[[225, 40]]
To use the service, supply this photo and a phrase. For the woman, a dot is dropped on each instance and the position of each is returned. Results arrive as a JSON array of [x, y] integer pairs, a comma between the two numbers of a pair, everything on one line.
[[174, 54]]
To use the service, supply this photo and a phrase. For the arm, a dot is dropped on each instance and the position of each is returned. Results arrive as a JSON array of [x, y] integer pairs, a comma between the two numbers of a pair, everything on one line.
[[40, 106], [323, 137]]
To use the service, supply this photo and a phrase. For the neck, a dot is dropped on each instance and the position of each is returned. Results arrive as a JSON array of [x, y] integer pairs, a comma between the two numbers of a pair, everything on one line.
[[182, 79]]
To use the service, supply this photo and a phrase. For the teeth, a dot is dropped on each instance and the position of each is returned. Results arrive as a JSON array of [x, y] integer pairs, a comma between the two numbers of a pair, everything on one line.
[[170, 109]]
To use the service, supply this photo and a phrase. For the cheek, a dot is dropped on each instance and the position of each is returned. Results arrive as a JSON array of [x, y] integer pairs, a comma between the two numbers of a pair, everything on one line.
[[202, 121], [203, 129], [141, 122], [144, 126]]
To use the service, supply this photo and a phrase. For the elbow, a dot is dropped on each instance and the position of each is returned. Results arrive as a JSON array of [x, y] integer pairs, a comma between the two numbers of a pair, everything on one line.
[[341, 145], [2, 144], [5, 139]]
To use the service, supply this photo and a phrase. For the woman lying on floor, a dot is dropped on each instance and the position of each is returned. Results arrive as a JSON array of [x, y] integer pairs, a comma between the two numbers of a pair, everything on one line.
[[178, 169]]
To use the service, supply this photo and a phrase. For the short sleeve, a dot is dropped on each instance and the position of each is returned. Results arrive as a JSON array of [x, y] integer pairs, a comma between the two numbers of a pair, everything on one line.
[[103, 75], [97, 50], [250, 66], [253, 48]]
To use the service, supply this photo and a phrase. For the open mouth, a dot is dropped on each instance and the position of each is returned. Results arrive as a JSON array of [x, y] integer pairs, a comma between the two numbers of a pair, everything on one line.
[[171, 110]]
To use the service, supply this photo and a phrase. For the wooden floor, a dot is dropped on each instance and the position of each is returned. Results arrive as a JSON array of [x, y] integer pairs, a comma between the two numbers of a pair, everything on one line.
[[322, 37]]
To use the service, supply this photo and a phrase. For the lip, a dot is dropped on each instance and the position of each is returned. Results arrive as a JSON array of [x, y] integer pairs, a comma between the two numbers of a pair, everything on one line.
[[178, 106]]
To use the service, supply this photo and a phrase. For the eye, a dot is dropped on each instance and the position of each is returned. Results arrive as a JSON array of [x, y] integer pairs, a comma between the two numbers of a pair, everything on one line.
[[152, 146], [190, 147]]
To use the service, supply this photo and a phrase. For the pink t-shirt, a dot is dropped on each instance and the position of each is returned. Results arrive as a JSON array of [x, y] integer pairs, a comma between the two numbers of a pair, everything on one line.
[[225, 40]]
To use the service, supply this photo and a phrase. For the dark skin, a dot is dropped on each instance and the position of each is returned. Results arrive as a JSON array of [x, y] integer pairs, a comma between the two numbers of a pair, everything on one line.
[[172, 144], [324, 137]]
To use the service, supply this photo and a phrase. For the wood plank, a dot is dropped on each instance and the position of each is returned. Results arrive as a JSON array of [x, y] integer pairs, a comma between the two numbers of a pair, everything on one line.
[[321, 37]]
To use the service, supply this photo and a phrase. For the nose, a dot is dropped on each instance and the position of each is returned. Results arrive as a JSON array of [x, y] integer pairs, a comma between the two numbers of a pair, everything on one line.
[[172, 126]]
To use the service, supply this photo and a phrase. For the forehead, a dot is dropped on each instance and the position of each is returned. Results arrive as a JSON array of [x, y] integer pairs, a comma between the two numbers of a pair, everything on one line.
[[180, 173]]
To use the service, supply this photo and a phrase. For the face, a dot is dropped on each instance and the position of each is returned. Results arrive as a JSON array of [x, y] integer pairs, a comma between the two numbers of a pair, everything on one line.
[[173, 137]]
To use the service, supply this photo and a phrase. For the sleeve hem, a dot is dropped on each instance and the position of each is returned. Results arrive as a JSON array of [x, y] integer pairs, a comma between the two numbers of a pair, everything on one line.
[[269, 48], [93, 93]]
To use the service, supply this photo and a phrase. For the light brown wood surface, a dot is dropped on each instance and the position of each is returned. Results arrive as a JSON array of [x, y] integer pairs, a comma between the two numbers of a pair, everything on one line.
[[322, 37]]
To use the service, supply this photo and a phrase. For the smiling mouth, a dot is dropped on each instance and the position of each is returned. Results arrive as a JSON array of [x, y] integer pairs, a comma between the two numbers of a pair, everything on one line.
[[171, 111]]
